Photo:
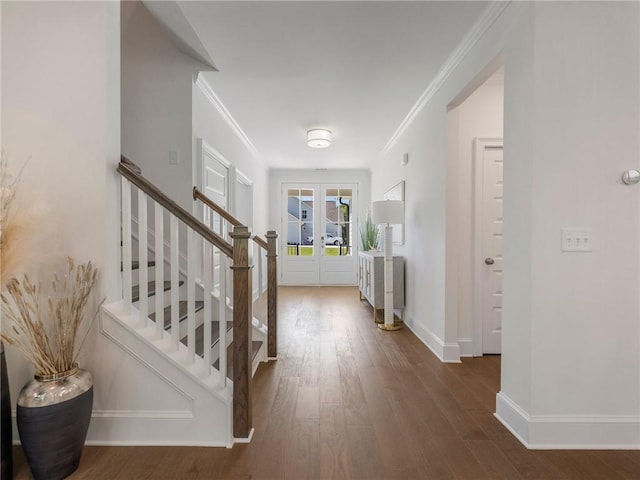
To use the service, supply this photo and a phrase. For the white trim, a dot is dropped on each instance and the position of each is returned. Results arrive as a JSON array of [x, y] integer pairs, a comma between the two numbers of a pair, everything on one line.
[[207, 423], [243, 179], [466, 347], [489, 16], [204, 147], [219, 106], [120, 324], [146, 414], [446, 352], [590, 432], [147, 443], [479, 146], [244, 440]]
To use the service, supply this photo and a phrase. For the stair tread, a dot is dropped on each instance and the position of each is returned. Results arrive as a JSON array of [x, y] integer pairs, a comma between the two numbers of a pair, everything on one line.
[[215, 336], [135, 291], [135, 265], [255, 346], [182, 312]]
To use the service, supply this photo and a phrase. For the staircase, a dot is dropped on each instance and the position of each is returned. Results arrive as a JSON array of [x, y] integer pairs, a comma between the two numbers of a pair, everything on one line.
[[186, 309], [258, 353]]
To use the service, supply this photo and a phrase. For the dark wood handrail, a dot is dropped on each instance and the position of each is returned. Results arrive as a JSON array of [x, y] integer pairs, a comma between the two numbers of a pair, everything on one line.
[[133, 173], [270, 246], [260, 241], [198, 195]]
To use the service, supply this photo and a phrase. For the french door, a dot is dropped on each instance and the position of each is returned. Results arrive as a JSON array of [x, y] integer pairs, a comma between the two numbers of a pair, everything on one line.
[[319, 222]]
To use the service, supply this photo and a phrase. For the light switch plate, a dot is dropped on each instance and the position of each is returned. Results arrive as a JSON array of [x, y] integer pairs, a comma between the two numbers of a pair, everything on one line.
[[174, 157], [577, 240]]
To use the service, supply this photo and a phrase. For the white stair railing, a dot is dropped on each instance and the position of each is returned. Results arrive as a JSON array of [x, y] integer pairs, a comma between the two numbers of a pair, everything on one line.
[[149, 313]]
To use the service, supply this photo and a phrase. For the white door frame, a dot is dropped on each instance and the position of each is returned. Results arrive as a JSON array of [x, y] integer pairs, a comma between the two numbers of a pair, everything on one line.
[[204, 150], [242, 179], [479, 146], [319, 261]]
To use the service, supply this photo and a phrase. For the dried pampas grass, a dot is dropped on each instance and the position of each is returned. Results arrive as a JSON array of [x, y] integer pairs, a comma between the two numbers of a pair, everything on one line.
[[18, 230], [48, 340]]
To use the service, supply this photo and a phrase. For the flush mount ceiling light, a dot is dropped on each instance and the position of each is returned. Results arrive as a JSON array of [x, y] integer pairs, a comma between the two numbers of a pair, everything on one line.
[[318, 138]]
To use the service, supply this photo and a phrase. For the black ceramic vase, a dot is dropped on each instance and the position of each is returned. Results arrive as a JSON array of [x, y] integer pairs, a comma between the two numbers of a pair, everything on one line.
[[53, 418], [7, 436]]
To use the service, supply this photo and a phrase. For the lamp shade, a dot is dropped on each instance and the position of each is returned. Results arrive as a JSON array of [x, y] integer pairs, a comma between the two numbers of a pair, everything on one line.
[[388, 212]]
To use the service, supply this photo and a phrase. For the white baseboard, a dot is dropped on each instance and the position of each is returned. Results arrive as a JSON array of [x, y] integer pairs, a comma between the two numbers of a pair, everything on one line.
[[591, 432], [466, 347], [446, 352], [245, 440], [153, 443]]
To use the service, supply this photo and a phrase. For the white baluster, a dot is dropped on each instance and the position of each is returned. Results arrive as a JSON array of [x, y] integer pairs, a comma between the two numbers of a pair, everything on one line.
[[175, 279], [257, 253], [207, 274], [222, 318], [191, 293], [143, 273], [159, 259], [125, 186]]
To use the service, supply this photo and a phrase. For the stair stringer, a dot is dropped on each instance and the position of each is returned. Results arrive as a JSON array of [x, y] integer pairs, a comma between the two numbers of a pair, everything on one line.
[[205, 417]]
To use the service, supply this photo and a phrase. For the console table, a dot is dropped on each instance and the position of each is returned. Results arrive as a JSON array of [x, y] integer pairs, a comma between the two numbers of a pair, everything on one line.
[[371, 281]]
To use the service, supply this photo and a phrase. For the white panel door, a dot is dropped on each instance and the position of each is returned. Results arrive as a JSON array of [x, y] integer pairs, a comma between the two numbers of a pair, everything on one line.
[[492, 187], [300, 263], [215, 185], [338, 262], [319, 227]]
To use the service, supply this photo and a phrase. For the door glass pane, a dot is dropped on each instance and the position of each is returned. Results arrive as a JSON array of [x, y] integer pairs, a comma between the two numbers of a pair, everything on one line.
[[338, 234], [299, 222]]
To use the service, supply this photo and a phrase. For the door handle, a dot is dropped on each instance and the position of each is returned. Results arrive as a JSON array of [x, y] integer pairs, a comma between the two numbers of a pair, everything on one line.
[[489, 261]]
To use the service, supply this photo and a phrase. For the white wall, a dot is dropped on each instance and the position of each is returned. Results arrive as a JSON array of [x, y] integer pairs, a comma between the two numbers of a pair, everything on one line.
[[478, 116], [164, 110], [570, 363], [156, 102], [585, 124], [60, 115], [214, 128]]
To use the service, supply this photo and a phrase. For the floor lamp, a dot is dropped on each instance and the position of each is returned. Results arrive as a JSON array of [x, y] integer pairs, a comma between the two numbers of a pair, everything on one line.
[[388, 213]]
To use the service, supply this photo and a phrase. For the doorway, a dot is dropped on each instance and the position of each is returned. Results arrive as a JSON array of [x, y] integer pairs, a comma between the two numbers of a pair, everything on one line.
[[474, 263], [319, 223], [488, 235]]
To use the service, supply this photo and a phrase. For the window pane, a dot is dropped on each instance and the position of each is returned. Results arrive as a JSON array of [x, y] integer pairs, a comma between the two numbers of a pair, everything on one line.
[[337, 223], [299, 222]]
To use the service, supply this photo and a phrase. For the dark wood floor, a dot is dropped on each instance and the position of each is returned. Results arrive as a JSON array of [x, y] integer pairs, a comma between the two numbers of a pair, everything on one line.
[[346, 400]]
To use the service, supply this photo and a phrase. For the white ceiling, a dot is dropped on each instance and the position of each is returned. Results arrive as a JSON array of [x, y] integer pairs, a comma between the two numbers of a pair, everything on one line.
[[355, 68]]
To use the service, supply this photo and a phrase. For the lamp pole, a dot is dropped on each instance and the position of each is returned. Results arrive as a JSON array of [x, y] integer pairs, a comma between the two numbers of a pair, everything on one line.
[[388, 213], [389, 323]]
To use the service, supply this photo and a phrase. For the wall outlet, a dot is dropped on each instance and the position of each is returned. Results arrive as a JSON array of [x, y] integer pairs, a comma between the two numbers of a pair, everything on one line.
[[577, 240]]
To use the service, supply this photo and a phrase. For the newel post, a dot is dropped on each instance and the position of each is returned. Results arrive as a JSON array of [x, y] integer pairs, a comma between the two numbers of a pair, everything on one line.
[[272, 294], [242, 316]]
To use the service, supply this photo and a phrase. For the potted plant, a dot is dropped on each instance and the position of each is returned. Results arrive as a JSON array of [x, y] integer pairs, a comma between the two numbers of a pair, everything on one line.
[[53, 409], [369, 235], [60, 397]]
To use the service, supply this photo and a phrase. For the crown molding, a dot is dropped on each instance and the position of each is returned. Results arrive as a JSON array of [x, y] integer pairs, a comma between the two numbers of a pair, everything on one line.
[[226, 115], [493, 11]]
